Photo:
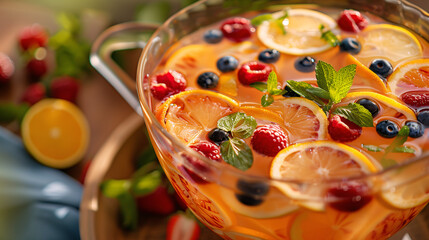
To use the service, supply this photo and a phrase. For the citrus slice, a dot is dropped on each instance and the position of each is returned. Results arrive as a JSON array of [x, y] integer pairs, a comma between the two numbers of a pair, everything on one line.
[[413, 75], [55, 132], [191, 114], [389, 42], [315, 162], [303, 119], [302, 32], [262, 114]]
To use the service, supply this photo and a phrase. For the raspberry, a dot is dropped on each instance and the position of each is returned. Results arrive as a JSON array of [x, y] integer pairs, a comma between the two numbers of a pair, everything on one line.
[[342, 129], [36, 68], [237, 29], [349, 197], [207, 149], [416, 99], [352, 21], [7, 68], [34, 93], [166, 84], [32, 37], [269, 140], [65, 88], [253, 72]]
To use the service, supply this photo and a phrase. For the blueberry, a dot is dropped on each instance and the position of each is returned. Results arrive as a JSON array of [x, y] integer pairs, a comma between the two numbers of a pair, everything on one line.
[[350, 45], [387, 129], [290, 92], [251, 192], [416, 129], [423, 117], [213, 36], [208, 80], [305, 64], [218, 136], [227, 64], [371, 106], [381, 67], [269, 56]]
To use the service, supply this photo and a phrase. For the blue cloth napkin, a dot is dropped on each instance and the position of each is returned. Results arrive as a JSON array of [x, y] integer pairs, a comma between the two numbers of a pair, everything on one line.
[[36, 202]]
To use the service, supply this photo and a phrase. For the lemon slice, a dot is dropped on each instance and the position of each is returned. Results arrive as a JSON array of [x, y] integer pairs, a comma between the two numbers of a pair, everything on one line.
[[413, 75], [315, 162], [389, 42], [55, 132], [303, 35]]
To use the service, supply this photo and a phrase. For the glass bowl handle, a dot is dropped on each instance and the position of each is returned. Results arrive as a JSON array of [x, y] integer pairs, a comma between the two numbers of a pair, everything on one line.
[[124, 36]]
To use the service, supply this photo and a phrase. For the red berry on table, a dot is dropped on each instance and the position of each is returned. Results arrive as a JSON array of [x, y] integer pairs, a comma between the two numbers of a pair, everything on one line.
[[7, 68], [182, 227], [349, 197], [33, 36], [352, 21], [34, 93], [65, 87], [237, 29], [37, 68], [416, 99], [207, 149], [158, 202], [269, 140], [343, 130], [166, 84], [253, 72]]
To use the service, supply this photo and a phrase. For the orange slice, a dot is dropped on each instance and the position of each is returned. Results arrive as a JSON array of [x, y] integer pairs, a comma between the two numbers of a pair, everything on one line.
[[315, 162], [55, 132], [191, 114], [413, 75], [389, 42], [303, 119]]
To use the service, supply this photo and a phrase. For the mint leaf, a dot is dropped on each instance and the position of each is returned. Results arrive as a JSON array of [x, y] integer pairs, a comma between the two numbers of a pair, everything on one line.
[[325, 75], [372, 148], [356, 113], [267, 100], [272, 82], [403, 149], [239, 124], [237, 153], [261, 86], [258, 20], [301, 88], [342, 83], [399, 140], [319, 92], [10, 112], [114, 188], [146, 184], [329, 36]]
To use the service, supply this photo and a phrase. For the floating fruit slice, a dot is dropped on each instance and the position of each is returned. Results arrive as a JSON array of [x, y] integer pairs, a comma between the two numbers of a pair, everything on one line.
[[55, 132], [411, 76], [303, 119], [262, 115], [191, 114], [389, 42], [301, 34], [315, 162]]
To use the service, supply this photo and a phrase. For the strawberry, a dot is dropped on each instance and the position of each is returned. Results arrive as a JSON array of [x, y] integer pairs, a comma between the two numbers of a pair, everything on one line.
[[207, 149], [343, 130], [349, 197], [182, 227], [416, 99], [253, 72], [158, 202], [269, 140], [65, 87], [352, 21], [237, 29], [7, 68], [36, 68], [32, 37], [166, 84], [34, 93]]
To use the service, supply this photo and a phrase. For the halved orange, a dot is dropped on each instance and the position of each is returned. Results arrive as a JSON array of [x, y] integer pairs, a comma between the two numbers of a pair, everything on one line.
[[413, 75], [302, 119], [55, 132], [315, 162], [191, 114]]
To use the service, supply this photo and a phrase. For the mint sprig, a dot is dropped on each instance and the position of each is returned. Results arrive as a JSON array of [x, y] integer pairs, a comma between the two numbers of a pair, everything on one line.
[[356, 113], [279, 21], [329, 36], [270, 88], [235, 150], [397, 146]]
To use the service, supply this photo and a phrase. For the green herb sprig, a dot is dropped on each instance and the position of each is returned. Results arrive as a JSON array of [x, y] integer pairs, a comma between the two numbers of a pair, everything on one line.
[[270, 88], [329, 36], [279, 21]]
